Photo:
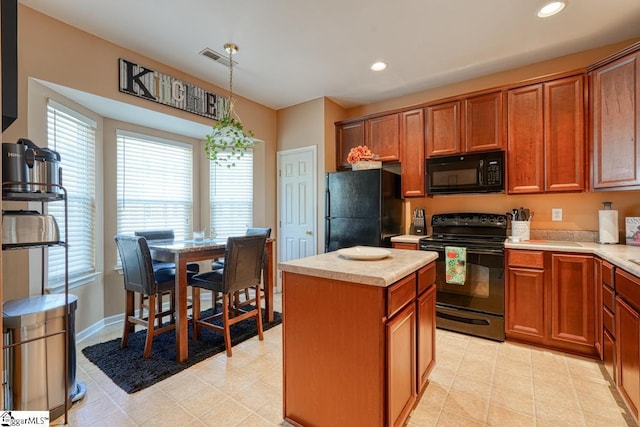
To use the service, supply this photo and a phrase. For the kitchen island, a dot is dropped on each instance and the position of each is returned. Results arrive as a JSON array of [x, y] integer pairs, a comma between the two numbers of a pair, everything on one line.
[[358, 337]]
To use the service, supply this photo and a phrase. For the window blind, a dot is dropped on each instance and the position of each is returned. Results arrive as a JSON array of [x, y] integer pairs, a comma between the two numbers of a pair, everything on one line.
[[74, 137], [232, 197], [154, 185]]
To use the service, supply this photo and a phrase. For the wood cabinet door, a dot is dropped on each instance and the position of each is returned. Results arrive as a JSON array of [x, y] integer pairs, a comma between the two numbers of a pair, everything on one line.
[[573, 302], [426, 336], [401, 365], [597, 280], [615, 92], [483, 119], [412, 153], [443, 129], [348, 135], [628, 354], [382, 137], [525, 305], [564, 148], [525, 140]]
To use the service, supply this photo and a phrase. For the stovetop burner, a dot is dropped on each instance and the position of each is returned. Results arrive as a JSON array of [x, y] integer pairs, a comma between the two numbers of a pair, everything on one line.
[[484, 220], [468, 228]]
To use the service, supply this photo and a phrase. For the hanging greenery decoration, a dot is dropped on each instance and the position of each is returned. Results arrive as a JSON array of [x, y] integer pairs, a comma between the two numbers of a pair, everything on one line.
[[228, 140]]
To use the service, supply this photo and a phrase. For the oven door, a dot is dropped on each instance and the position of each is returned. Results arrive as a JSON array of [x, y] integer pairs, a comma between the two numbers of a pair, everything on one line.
[[483, 289]]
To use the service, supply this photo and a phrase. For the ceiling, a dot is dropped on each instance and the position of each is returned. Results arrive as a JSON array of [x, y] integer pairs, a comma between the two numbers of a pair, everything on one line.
[[292, 51]]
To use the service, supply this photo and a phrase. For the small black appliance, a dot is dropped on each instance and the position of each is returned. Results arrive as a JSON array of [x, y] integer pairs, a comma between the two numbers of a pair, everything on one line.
[[465, 173]]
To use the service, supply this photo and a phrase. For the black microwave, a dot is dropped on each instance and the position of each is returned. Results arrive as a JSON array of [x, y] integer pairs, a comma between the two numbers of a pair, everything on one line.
[[465, 173]]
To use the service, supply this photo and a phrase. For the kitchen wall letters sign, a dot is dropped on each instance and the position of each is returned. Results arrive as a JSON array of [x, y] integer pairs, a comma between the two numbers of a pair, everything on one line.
[[143, 82]]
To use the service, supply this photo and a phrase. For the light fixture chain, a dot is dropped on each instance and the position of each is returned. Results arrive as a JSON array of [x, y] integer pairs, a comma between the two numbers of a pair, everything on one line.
[[231, 75]]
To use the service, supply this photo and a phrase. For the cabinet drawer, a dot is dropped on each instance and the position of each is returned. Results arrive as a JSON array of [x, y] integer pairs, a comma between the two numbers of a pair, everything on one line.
[[608, 298], [607, 274], [609, 321], [400, 294], [628, 287], [404, 245], [533, 259], [426, 277]]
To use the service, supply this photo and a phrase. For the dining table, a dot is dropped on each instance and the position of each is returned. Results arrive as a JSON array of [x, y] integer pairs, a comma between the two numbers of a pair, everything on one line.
[[182, 252]]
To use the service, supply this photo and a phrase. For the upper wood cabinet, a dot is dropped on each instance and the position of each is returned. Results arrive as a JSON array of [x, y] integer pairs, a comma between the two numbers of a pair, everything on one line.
[[443, 129], [382, 136], [469, 125], [412, 152], [615, 117], [525, 140], [564, 130], [545, 137], [348, 135], [483, 122]]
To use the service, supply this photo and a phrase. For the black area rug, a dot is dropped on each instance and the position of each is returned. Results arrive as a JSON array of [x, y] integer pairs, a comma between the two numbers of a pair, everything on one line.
[[131, 372]]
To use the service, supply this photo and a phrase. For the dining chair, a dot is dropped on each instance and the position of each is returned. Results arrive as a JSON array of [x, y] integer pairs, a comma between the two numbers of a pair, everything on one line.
[[192, 267], [141, 280], [251, 231], [242, 270]]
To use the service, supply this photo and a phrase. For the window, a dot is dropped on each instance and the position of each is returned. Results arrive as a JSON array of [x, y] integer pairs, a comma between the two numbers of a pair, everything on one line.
[[232, 197], [155, 189], [74, 137]]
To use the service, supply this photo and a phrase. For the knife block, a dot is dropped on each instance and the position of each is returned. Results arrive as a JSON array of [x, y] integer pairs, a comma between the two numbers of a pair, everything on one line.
[[418, 227]]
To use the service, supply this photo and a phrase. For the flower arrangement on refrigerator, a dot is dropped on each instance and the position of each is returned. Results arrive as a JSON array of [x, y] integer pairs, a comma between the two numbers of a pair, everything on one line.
[[360, 153]]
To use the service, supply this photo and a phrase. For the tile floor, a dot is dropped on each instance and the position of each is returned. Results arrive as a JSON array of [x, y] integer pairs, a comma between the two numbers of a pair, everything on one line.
[[476, 382]]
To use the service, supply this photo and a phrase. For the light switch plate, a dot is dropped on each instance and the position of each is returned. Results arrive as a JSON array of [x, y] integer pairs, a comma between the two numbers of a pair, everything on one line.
[[556, 214]]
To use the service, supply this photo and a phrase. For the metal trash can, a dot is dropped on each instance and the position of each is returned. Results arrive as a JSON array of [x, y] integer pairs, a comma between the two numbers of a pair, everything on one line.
[[34, 371]]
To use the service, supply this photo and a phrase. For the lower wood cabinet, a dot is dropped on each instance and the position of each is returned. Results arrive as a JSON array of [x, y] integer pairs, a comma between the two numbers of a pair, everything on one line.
[[551, 300], [356, 354], [573, 303], [426, 333], [628, 352], [627, 339], [525, 294], [525, 305], [401, 365], [607, 318]]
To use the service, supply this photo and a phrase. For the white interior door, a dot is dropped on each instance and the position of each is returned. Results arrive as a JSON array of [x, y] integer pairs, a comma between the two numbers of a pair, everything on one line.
[[297, 204]]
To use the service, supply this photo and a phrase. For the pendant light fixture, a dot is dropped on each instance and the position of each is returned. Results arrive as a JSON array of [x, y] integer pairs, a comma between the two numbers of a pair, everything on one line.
[[228, 141]]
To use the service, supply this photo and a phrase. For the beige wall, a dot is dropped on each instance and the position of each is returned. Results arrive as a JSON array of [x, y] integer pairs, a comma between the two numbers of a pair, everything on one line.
[[580, 210], [54, 52], [302, 126]]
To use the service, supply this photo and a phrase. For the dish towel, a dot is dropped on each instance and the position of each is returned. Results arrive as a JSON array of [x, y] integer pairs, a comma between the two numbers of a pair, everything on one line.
[[455, 265]]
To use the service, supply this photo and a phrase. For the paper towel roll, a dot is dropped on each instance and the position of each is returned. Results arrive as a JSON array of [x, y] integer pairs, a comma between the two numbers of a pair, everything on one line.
[[608, 220]]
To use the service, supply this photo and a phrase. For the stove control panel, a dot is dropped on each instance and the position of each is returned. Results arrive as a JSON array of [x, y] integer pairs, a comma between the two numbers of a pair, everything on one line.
[[469, 219]]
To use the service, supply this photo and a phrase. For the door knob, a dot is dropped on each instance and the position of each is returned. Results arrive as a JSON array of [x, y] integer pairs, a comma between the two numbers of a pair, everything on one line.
[[309, 232]]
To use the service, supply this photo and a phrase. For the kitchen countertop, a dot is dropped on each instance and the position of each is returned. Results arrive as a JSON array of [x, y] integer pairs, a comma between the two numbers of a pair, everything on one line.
[[407, 238], [619, 255], [383, 272]]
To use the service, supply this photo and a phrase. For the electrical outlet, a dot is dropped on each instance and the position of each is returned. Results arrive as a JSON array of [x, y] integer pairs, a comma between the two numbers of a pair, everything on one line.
[[556, 214]]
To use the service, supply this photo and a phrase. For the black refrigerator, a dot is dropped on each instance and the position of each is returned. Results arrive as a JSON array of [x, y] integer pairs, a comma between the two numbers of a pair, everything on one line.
[[362, 208]]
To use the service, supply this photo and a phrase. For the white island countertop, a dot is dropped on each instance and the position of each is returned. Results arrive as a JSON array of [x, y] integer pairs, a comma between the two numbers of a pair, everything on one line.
[[382, 272]]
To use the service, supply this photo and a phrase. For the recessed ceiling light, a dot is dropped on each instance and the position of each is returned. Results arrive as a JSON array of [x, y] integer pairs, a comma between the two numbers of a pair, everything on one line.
[[378, 66], [551, 9]]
